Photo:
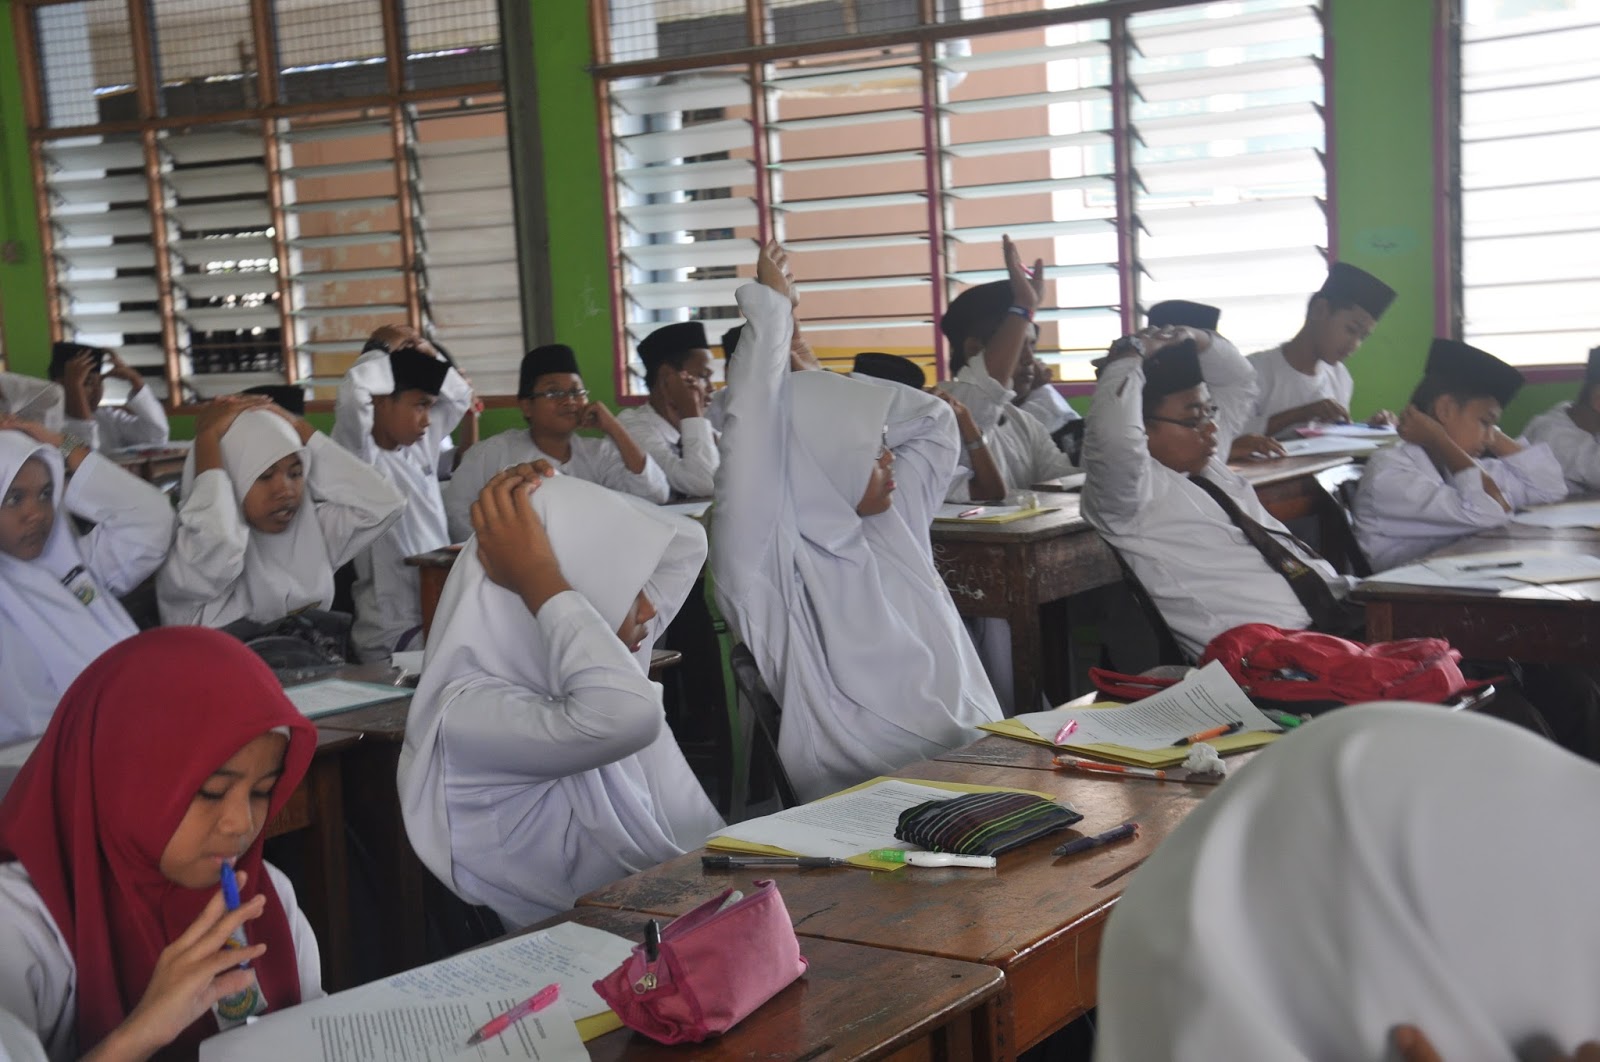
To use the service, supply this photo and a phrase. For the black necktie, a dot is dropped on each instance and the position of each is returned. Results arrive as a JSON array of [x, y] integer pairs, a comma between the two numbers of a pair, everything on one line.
[[1328, 614]]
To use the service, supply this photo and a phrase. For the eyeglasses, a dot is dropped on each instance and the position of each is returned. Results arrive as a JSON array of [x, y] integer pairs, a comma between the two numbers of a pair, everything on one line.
[[1208, 416], [577, 395]]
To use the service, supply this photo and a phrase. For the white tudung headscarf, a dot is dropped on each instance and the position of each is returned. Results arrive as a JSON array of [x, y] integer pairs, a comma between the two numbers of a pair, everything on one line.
[[619, 816], [55, 619], [283, 573], [1385, 865]]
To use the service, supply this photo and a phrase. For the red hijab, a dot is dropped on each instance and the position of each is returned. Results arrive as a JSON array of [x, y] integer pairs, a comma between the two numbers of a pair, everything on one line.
[[92, 810]]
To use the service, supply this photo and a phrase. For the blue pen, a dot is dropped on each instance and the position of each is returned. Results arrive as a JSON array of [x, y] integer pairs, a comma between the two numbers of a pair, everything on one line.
[[231, 1010]]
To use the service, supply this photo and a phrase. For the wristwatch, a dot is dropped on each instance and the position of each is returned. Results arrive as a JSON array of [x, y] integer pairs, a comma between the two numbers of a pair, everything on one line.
[[976, 444], [1127, 343]]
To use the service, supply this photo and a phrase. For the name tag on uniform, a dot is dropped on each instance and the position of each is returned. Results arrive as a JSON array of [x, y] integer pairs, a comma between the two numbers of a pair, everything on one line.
[[80, 584]]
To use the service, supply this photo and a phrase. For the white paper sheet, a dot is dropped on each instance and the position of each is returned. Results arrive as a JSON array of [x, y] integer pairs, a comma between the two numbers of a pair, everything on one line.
[[841, 826], [1329, 444], [1566, 514], [409, 660], [692, 509], [1208, 698], [1423, 575], [336, 695], [954, 511], [435, 1008], [1069, 482], [1520, 566], [1358, 431]]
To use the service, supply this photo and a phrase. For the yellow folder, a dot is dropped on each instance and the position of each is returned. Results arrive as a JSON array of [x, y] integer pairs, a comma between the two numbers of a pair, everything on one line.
[[1157, 758]]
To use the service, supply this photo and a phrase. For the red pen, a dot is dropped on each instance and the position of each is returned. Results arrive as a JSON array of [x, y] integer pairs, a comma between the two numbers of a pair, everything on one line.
[[532, 1005], [1066, 731], [969, 512]]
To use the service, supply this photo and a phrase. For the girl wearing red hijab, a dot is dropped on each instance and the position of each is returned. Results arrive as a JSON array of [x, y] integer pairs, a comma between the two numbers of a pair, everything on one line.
[[163, 762]]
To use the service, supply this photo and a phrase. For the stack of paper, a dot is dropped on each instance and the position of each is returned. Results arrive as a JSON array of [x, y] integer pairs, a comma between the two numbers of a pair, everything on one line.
[[860, 819], [1143, 733], [1506, 569], [955, 512], [427, 1014], [328, 696], [1354, 431], [1567, 514], [1330, 444]]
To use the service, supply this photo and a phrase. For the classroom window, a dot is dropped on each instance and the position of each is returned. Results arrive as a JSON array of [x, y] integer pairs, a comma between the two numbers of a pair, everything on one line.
[[232, 199], [1174, 153], [1527, 189]]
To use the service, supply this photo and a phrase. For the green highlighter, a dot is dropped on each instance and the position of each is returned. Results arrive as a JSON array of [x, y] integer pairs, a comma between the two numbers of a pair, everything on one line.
[[1283, 719]]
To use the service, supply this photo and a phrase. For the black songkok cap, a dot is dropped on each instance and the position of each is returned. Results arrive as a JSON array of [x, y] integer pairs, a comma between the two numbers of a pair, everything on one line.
[[1189, 314], [415, 371], [974, 308], [1174, 369], [1473, 372], [553, 357], [891, 367], [1346, 283], [287, 396], [670, 343]]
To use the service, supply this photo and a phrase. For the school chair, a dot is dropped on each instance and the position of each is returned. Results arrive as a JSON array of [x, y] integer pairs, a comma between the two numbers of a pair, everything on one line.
[[759, 716], [1167, 649], [1334, 505]]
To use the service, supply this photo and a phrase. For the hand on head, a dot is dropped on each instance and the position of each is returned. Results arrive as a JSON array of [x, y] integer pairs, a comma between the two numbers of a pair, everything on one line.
[[33, 429], [218, 415], [512, 544], [772, 269]]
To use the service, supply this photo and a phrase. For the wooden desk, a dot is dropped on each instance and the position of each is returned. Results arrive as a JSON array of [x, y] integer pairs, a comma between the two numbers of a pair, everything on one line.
[[1036, 918], [157, 466], [433, 570], [853, 1004], [1013, 571], [1288, 487], [1557, 624]]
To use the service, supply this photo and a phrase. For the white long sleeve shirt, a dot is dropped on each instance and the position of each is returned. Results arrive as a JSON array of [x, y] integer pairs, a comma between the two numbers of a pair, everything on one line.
[[1405, 508], [139, 422], [1576, 450], [39, 976], [1018, 441], [1199, 569], [1281, 386], [388, 594], [687, 454], [594, 459]]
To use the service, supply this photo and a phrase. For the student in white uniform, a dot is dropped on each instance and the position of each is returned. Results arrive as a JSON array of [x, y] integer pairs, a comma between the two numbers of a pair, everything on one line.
[[140, 422], [269, 509], [1572, 431], [672, 426], [43, 402], [1455, 473], [556, 405], [822, 560], [164, 762], [991, 333], [394, 411], [1357, 894], [1191, 529], [1305, 379], [1236, 417], [58, 590], [717, 407], [537, 764]]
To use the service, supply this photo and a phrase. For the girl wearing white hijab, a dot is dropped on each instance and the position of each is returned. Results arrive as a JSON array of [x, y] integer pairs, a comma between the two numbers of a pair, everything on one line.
[[828, 581], [1387, 872], [537, 764], [249, 546], [58, 590]]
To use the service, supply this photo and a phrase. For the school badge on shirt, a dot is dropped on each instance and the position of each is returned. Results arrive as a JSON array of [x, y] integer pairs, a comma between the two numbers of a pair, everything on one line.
[[81, 586]]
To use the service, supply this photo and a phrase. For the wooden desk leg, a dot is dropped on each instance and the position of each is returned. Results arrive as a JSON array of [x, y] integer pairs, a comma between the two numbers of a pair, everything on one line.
[[432, 582], [1027, 670], [1380, 621], [327, 900], [375, 811]]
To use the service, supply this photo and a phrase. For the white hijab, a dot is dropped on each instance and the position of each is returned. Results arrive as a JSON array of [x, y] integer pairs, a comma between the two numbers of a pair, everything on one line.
[[55, 619], [1385, 865], [627, 815], [283, 573]]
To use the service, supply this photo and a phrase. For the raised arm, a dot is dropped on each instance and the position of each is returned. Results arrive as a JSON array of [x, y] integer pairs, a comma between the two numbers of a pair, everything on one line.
[[753, 476], [355, 504], [1231, 379], [1526, 474], [1004, 349], [208, 552], [133, 523], [927, 447], [455, 398], [1116, 460], [352, 406]]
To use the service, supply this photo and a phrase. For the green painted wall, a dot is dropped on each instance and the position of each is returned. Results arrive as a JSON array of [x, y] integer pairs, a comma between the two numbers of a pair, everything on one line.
[[1383, 173]]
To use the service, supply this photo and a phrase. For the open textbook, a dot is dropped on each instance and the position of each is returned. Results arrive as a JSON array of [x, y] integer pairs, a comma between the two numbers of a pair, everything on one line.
[[427, 1014]]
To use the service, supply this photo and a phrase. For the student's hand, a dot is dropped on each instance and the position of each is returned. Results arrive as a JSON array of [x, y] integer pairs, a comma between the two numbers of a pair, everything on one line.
[[772, 269], [513, 546], [1256, 448], [74, 381], [31, 428], [1413, 1046], [683, 393], [1383, 418], [970, 432], [218, 415], [1027, 286], [1327, 411], [122, 371], [1502, 445], [190, 975], [1417, 427], [801, 356], [598, 415]]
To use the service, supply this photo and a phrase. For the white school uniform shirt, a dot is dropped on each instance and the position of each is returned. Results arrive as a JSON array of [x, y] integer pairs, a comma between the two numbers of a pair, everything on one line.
[[717, 409], [846, 616], [1201, 572], [18, 1043], [594, 459], [39, 977], [221, 569], [1049, 408], [537, 764], [1018, 441], [388, 595], [1405, 508], [139, 422], [687, 454], [60, 611], [1355, 878], [1576, 450], [37, 400], [1281, 386]]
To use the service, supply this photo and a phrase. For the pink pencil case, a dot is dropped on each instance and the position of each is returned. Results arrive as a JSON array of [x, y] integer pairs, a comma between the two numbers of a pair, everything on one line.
[[714, 967]]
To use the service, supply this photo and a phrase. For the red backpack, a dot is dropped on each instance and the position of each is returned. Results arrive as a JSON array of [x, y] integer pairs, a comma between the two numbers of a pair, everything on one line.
[[1304, 667]]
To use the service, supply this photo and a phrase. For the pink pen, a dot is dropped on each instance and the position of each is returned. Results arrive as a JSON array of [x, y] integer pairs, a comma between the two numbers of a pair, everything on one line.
[[533, 1005], [1066, 731]]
